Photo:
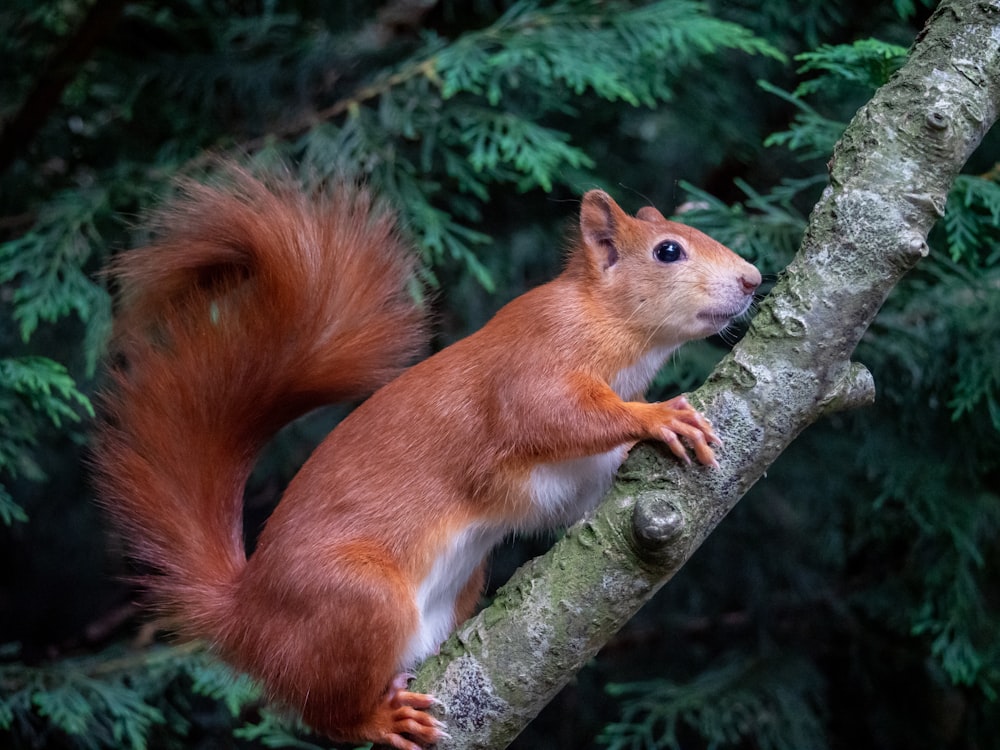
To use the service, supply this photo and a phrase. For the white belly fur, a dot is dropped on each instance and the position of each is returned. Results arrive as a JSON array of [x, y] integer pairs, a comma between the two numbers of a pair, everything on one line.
[[437, 593], [633, 381], [564, 490]]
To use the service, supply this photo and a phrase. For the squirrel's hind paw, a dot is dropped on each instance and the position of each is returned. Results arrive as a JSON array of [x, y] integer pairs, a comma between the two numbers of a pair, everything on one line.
[[408, 725]]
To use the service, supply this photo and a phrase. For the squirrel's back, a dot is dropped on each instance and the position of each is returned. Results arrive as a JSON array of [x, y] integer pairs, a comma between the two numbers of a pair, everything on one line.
[[255, 304]]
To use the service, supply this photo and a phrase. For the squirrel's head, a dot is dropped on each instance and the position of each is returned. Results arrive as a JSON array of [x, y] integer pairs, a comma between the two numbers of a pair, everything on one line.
[[668, 282]]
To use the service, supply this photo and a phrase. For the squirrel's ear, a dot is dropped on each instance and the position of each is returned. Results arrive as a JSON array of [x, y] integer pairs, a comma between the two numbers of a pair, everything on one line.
[[648, 213], [600, 220]]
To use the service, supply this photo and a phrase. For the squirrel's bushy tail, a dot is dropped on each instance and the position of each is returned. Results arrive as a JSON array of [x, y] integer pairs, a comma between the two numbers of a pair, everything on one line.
[[255, 304]]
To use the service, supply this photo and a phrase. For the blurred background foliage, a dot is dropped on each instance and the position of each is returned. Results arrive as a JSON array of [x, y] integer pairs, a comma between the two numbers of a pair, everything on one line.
[[849, 601]]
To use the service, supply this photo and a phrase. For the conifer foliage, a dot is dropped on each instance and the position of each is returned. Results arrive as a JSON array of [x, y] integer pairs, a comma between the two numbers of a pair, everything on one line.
[[847, 598]]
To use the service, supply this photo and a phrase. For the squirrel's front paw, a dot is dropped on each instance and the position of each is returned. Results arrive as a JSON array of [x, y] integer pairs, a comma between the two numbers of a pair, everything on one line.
[[680, 419]]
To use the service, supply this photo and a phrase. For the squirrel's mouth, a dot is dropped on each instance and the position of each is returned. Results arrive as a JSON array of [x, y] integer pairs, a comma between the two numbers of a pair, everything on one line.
[[725, 316]]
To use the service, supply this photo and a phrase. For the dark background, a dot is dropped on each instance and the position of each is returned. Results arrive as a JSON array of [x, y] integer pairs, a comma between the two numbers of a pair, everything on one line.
[[849, 601]]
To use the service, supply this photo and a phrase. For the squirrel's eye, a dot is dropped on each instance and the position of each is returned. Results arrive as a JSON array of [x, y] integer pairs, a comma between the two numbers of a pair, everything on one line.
[[668, 251]]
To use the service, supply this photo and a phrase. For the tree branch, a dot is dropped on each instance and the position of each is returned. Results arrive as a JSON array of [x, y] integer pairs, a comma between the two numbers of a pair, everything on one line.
[[889, 177]]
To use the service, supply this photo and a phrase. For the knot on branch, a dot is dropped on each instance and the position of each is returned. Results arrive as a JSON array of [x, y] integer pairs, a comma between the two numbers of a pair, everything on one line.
[[854, 389], [916, 248], [937, 121], [658, 527]]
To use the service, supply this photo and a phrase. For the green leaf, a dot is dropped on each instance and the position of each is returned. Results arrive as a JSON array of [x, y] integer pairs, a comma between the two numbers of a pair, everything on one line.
[[498, 138], [865, 64], [46, 386], [45, 266], [272, 730], [971, 220], [10, 511], [769, 703], [216, 680], [66, 707]]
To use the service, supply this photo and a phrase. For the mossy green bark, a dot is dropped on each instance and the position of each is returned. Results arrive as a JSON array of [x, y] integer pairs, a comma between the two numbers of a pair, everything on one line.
[[889, 177]]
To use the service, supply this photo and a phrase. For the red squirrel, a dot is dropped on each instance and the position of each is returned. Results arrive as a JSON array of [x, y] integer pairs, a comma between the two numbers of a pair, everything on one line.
[[257, 303]]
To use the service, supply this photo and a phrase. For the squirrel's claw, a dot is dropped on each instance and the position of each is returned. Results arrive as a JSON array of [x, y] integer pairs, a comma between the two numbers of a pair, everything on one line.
[[684, 420]]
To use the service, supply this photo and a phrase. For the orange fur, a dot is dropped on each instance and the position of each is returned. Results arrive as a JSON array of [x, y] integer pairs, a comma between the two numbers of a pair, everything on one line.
[[258, 304]]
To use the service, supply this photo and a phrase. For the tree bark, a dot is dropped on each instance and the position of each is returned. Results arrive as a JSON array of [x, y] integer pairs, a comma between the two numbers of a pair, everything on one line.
[[889, 177]]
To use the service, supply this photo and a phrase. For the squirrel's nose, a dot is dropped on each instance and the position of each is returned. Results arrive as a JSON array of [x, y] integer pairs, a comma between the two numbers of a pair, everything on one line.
[[750, 280]]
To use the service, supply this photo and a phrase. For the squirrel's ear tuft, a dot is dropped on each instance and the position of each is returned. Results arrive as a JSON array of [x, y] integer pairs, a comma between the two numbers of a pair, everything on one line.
[[600, 221]]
